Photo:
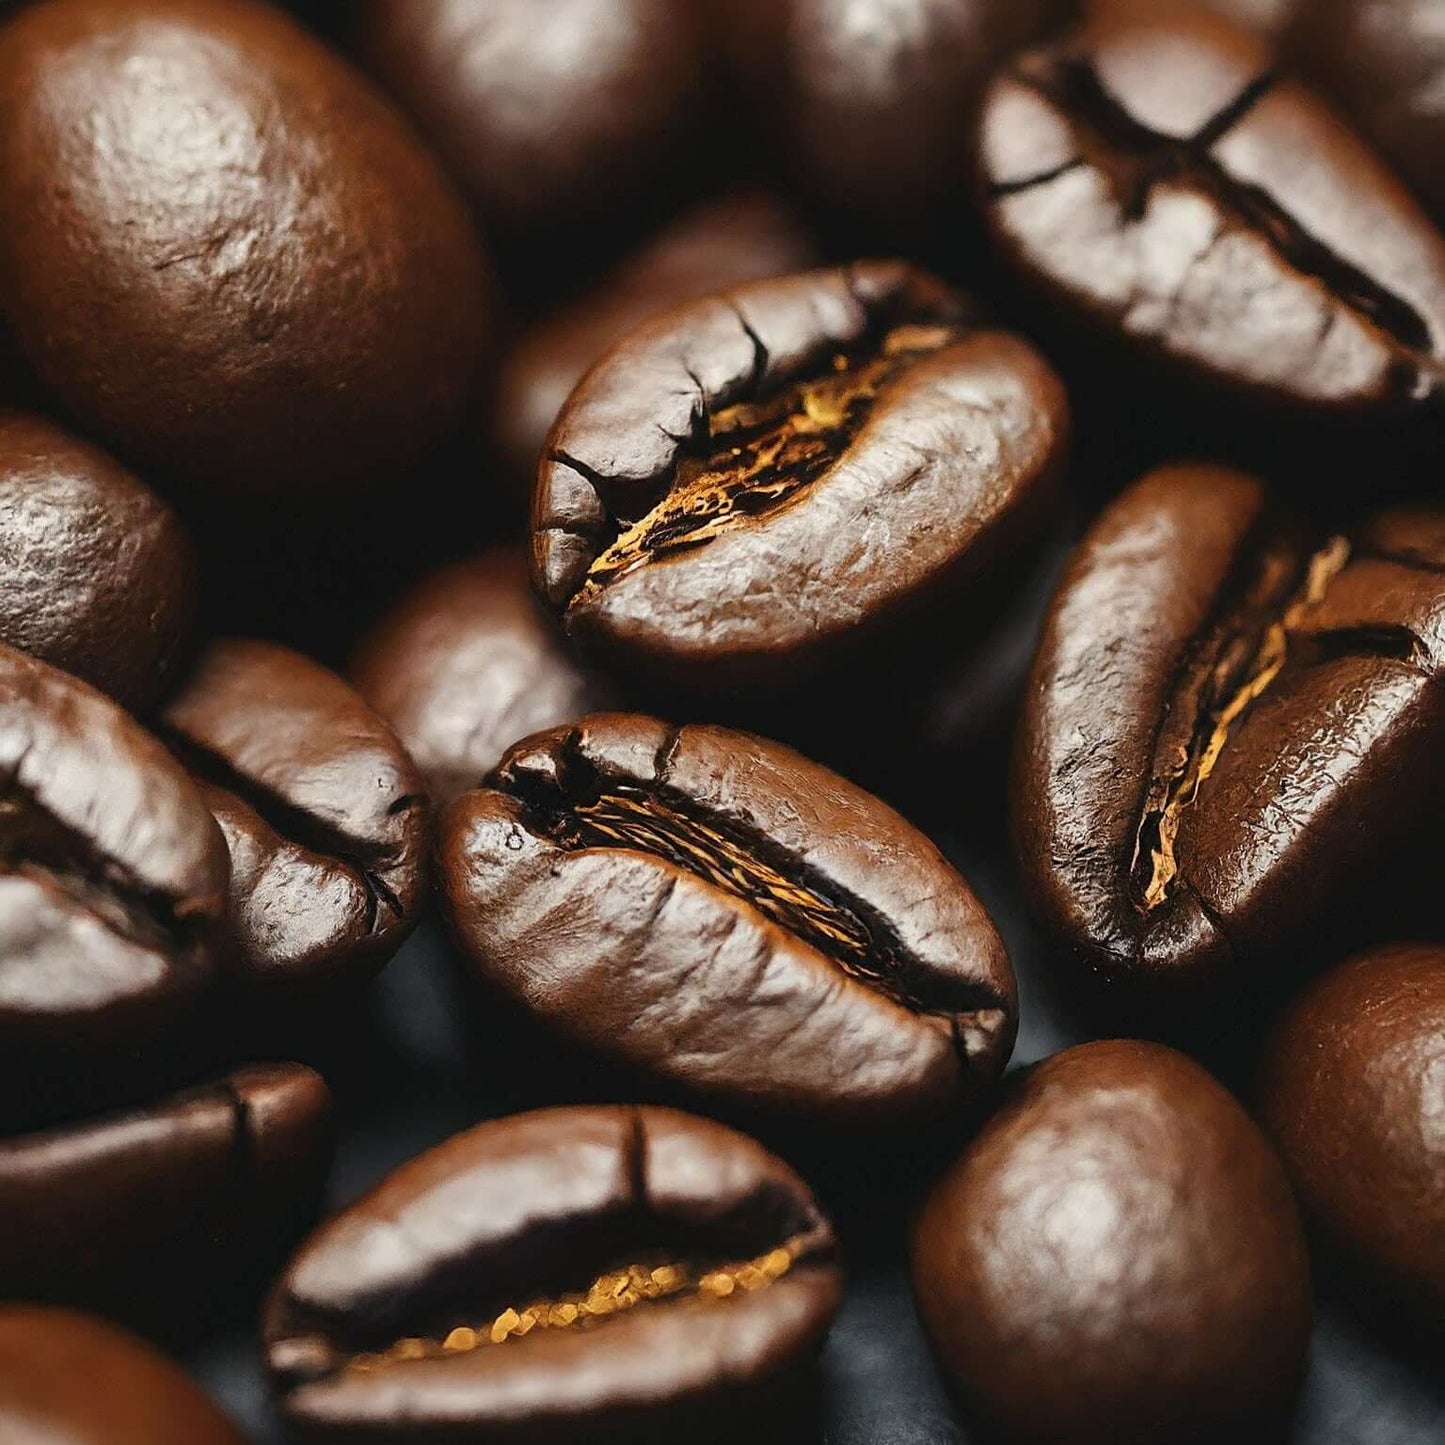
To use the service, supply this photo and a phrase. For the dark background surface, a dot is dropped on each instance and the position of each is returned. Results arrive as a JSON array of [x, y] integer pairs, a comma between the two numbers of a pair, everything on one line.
[[879, 1386]]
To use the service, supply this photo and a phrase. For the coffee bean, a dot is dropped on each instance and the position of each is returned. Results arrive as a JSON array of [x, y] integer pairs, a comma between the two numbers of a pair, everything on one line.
[[756, 483], [112, 888], [134, 1210], [322, 810], [97, 576], [469, 664], [547, 115], [1234, 721], [618, 1275], [1116, 1258], [1162, 188], [1267, 17], [730, 918], [1384, 61], [69, 1379], [1352, 1095], [224, 253], [722, 243]]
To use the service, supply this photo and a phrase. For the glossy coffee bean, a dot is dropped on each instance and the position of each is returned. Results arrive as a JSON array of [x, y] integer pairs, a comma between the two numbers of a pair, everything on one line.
[[469, 664], [112, 887], [548, 112], [1117, 1258], [224, 253], [323, 812], [131, 1210], [722, 243], [1352, 1093], [868, 97], [1234, 721], [749, 486], [1161, 187], [97, 575], [1384, 62], [728, 917], [613, 1274], [71, 1379]]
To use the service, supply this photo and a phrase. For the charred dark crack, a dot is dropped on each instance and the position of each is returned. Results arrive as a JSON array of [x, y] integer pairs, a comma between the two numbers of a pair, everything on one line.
[[1389, 642], [297, 826], [1404, 557], [1136, 159], [762, 358], [1020, 184], [618, 497]]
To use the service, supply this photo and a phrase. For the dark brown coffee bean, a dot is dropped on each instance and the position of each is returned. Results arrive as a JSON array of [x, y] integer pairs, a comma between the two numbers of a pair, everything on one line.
[[1116, 1258], [723, 243], [1233, 721], [730, 918], [1354, 1095], [1163, 188], [469, 664], [323, 812], [97, 575], [133, 1209], [112, 886], [223, 252], [755, 483], [545, 113], [622, 1275], [1384, 61], [70, 1379]]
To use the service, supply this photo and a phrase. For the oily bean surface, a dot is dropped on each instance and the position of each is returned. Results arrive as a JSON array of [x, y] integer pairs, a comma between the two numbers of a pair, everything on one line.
[[1233, 723], [731, 919], [625, 1272], [1117, 1258], [324, 814]]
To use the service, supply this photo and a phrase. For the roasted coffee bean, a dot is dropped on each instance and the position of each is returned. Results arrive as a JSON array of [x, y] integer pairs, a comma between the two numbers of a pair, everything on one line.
[[1164, 190], [467, 665], [223, 252], [112, 887], [97, 575], [723, 243], [613, 1274], [134, 1209], [1233, 722], [730, 918], [546, 114], [867, 97], [750, 485], [1117, 1258], [1352, 1093], [70, 1379], [323, 812], [1384, 61]]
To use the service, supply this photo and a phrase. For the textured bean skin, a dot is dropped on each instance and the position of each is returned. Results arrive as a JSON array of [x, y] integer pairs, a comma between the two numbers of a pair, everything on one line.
[[1351, 1093], [97, 574], [860, 981], [252, 278], [1117, 1258], [528, 1208]]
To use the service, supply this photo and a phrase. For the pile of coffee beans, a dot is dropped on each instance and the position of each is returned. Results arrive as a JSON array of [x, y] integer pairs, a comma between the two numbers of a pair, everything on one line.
[[640, 490]]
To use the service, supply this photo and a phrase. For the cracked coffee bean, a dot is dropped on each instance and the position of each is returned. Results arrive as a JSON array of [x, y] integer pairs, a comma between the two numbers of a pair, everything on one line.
[[147, 1208], [324, 814], [1162, 187], [112, 890], [610, 1274], [469, 664], [1233, 724], [224, 253], [1352, 1093], [1384, 62], [1116, 1258], [70, 1379], [755, 484], [727, 917], [97, 575]]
